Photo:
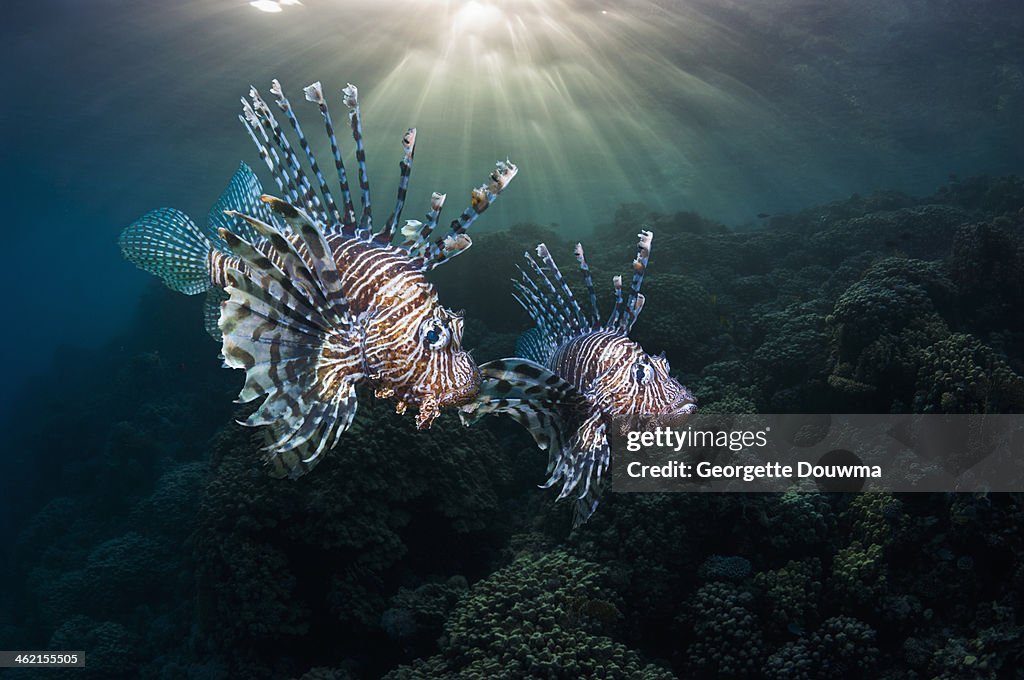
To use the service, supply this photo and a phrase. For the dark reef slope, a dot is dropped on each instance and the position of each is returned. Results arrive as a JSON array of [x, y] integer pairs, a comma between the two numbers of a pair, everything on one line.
[[141, 529]]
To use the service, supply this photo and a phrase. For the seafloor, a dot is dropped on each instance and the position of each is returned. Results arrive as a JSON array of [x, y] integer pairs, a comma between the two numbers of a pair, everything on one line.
[[145, 533]]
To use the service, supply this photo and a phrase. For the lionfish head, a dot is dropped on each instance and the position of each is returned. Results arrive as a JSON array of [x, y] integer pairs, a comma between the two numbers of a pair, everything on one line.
[[643, 389], [445, 373]]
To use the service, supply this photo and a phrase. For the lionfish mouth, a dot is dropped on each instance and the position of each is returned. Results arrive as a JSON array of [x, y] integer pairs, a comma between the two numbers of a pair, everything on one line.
[[674, 416], [463, 394], [679, 414]]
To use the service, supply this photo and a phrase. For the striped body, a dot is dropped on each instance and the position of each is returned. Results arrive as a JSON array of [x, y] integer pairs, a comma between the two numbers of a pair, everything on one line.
[[393, 303], [617, 376], [390, 300]]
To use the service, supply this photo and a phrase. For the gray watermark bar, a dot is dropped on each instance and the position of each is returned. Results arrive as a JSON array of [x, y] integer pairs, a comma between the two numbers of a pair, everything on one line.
[[820, 452], [49, 659]]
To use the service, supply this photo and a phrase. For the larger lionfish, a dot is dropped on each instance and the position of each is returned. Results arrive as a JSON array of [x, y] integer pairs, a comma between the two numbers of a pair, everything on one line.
[[575, 378], [310, 301]]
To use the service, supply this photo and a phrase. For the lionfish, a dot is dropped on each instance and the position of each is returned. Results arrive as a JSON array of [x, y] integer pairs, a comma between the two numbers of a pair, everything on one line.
[[574, 378], [307, 298]]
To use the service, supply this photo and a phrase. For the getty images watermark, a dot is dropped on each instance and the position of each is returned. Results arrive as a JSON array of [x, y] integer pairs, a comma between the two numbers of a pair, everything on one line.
[[821, 452]]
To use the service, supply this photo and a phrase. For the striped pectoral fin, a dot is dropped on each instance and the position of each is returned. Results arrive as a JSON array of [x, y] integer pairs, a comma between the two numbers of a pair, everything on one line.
[[288, 326], [563, 422], [580, 464], [530, 394], [311, 274], [306, 378], [586, 505], [299, 459], [541, 418], [517, 378]]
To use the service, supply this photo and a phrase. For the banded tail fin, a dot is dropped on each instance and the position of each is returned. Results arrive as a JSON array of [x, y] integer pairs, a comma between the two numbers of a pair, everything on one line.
[[165, 242], [288, 326], [560, 421]]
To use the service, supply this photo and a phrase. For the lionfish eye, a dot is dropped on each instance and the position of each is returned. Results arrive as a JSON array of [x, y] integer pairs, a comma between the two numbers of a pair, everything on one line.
[[641, 372], [435, 334]]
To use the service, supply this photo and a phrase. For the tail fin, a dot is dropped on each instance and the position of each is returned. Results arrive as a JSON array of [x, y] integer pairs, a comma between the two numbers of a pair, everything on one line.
[[167, 243]]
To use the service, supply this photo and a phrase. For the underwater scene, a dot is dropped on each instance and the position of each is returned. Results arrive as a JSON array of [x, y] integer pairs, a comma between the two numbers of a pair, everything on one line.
[[337, 330]]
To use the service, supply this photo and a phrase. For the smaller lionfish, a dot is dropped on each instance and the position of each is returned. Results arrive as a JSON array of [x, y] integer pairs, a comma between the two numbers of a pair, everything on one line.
[[308, 299], [578, 377]]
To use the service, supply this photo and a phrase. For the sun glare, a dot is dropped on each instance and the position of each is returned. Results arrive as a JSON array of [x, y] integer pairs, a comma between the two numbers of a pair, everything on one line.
[[592, 94], [266, 6]]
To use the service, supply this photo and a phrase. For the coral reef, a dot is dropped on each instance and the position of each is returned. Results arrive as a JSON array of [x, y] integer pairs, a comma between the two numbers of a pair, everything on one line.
[[142, 528], [842, 647], [329, 549], [727, 633], [546, 616]]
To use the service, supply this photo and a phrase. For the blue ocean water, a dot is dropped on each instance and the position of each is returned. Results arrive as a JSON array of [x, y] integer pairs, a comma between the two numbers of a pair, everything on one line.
[[794, 157], [728, 109]]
